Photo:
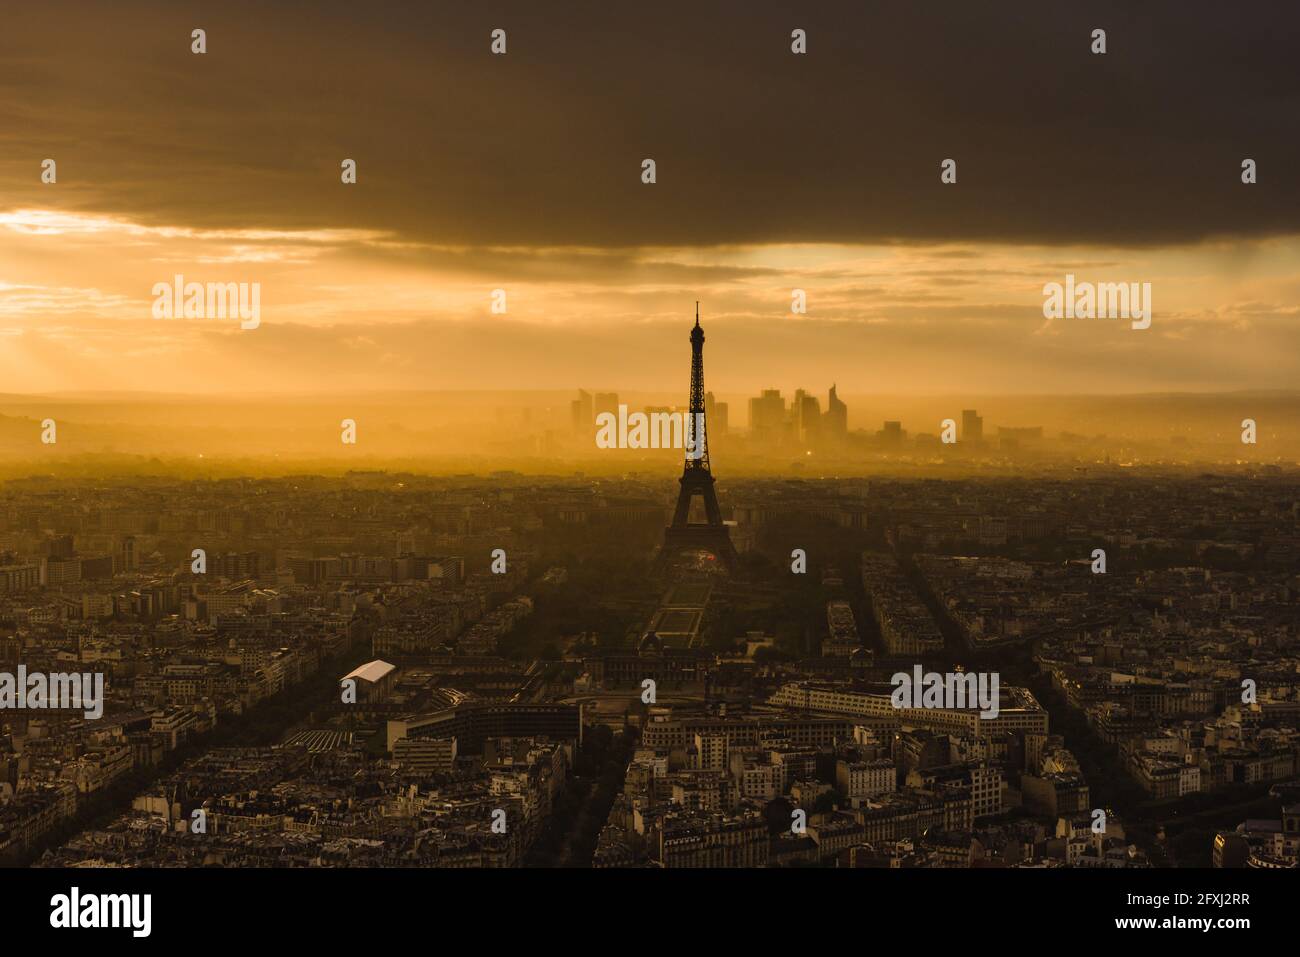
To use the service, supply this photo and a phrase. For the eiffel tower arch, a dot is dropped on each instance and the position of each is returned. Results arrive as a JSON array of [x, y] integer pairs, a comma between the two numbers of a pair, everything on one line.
[[683, 535]]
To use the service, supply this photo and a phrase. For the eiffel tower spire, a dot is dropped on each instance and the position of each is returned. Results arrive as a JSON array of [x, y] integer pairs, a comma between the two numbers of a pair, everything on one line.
[[697, 443]]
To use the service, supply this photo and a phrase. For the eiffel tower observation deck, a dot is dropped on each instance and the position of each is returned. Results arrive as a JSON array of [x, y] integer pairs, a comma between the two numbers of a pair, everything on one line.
[[711, 535]]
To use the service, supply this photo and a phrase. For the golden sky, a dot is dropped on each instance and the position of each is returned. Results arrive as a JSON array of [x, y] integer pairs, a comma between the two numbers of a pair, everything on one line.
[[522, 172]]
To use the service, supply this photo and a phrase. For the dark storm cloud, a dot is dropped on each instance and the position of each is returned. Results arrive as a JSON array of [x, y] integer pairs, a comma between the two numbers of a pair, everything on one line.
[[543, 146]]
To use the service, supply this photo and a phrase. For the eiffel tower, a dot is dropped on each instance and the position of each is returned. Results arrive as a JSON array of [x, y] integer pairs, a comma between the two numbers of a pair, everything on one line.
[[683, 535]]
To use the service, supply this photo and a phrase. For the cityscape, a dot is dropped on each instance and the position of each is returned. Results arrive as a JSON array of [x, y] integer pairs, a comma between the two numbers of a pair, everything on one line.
[[561, 444], [396, 670]]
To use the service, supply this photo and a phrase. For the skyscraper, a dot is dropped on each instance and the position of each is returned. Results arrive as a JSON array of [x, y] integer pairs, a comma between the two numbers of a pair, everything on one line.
[[716, 415], [837, 418], [604, 402], [808, 417], [581, 412], [767, 415]]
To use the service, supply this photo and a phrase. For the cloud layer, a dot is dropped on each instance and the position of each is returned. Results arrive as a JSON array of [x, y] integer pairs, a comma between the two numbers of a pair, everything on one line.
[[775, 171], [543, 146]]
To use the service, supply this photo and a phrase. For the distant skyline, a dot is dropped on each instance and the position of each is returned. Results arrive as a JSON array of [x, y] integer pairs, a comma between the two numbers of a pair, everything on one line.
[[522, 173], [453, 433]]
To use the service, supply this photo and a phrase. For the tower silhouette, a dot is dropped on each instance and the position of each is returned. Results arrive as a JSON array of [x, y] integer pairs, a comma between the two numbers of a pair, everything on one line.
[[697, 479]]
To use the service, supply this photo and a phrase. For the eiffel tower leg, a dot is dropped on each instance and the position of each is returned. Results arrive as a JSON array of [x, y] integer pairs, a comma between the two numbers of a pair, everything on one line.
[[711, 506], [682, 513]]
